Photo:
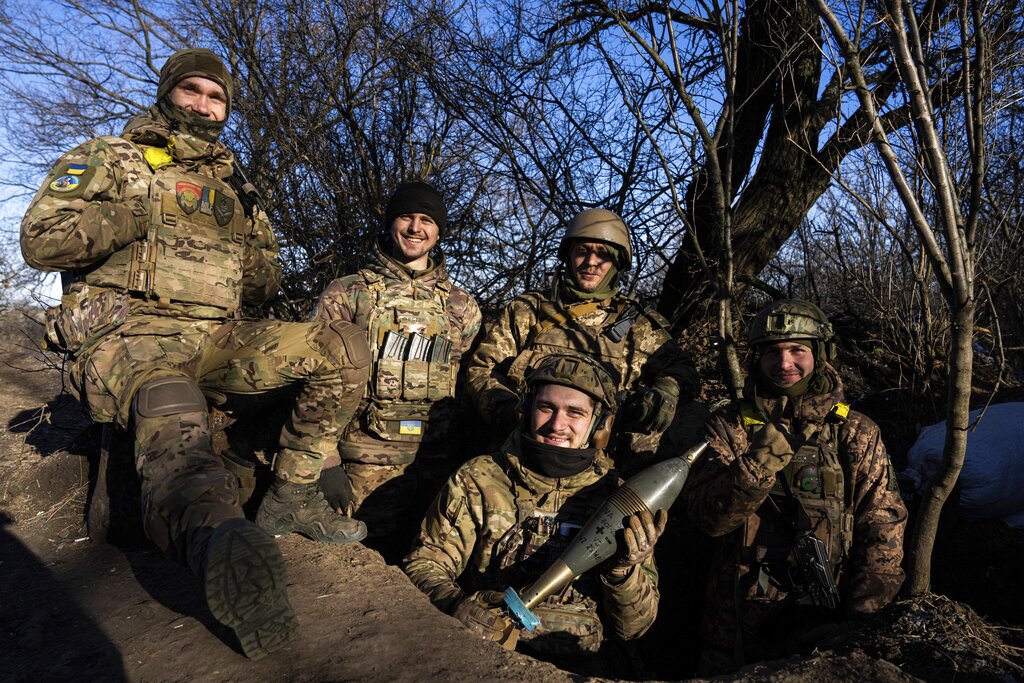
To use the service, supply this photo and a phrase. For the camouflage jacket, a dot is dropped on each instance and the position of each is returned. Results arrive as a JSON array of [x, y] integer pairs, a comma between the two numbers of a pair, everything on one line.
[[485, 531], [150, 215], [726, 495], [535, 325], [408, 400]]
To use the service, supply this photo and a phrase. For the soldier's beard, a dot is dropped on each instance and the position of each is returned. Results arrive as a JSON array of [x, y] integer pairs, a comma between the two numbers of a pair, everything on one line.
[[189, 122]]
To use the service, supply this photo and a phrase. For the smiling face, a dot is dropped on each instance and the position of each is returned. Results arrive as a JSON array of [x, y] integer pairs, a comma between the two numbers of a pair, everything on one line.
[[413, 235], [785, 363], [561, 416], [590, 263], [202, 96]]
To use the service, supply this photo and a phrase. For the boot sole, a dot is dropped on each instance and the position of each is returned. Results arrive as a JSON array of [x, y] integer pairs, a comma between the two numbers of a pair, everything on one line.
[[245, 589]]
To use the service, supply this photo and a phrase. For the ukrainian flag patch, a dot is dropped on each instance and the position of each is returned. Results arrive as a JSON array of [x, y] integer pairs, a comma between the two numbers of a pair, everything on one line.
[[410, 427], [76, 169]]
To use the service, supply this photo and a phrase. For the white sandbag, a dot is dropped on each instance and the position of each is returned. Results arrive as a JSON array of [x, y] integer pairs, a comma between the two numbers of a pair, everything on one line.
[[992, 479]]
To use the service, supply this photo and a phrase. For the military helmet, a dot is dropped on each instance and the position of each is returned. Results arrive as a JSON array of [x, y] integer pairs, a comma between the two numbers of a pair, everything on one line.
[[581, 373], [793, 319], [576, 372], [601, 225]]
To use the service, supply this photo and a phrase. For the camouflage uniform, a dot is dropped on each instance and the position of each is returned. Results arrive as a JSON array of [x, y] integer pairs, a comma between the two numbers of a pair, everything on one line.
[[162, 256], [842, 479], [534, 325], [409, 403], [497, 524]]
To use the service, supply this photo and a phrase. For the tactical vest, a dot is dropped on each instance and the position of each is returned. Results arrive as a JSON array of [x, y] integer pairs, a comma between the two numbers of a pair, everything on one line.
[[412, 385], [812, 493], [571, 624], [194, 247], [561, 329]]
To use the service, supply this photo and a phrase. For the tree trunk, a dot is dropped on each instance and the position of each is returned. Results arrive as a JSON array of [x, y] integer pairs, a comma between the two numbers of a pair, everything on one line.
[[958, 408], [777, 77]]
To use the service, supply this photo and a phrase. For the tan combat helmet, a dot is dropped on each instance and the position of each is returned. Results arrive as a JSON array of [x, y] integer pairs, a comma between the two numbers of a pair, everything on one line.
[[788, 319], [583, 374], [601, 225]]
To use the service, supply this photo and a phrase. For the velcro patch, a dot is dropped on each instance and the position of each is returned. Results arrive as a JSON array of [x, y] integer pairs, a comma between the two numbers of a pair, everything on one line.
[[411, 427], [71, 180], [65, 183]]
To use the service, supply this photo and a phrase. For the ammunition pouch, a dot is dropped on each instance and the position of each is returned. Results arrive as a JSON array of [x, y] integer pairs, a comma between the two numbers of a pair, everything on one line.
[[566, 630], [413, 380], [83, 314]]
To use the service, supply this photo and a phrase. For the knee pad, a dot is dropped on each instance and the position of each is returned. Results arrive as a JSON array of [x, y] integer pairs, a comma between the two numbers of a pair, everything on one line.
[[342, 342], [165, 396]]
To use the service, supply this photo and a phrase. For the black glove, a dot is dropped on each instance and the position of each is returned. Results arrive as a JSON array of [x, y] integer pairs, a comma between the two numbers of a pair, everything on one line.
[[652, 410], [336, 487]]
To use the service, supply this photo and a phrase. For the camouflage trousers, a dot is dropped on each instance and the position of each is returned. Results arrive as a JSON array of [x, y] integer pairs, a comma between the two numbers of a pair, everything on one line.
[[739, 632], [395, 491], [186, 490]]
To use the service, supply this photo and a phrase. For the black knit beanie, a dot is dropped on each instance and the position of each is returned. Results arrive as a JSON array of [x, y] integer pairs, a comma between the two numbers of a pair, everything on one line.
[[416, 197]]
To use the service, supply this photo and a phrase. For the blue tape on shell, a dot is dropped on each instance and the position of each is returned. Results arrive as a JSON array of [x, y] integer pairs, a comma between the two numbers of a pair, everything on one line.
[[518, 608]]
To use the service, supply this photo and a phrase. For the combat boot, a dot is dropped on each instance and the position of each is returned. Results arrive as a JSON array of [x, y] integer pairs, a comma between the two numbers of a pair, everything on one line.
[[245, 590], [301, 508]]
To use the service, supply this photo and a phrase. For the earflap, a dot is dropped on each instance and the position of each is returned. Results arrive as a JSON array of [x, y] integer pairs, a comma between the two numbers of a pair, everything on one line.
[[601, 431]]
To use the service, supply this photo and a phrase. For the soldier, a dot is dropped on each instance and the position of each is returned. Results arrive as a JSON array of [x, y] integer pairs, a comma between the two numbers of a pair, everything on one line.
[[159, 245], [801, 492], [586, 313], [419, 325], [502, 519]]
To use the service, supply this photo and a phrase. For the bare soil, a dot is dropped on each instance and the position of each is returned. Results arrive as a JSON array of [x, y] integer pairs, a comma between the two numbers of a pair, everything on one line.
[[76, 609]]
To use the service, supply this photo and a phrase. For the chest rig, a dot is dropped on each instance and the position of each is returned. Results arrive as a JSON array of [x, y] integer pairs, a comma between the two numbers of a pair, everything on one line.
[[590, 328], [545, 525], [812, 493], [412, 385], [193, 249]]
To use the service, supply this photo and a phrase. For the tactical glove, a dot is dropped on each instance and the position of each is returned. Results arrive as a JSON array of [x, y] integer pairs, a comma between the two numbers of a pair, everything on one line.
[[652, 410], [771, 448], [336, 487], [480, 612], [641, 532]]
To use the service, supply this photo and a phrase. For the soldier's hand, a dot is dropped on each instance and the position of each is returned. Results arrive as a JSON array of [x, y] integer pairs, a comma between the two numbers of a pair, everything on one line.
[[771, 447], [642, 530], [481, 613], [652, 410], [337, 488]]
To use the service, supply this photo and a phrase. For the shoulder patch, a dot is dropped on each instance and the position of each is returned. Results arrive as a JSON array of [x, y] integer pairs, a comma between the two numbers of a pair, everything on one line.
[[71, 180], [65, 183]]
